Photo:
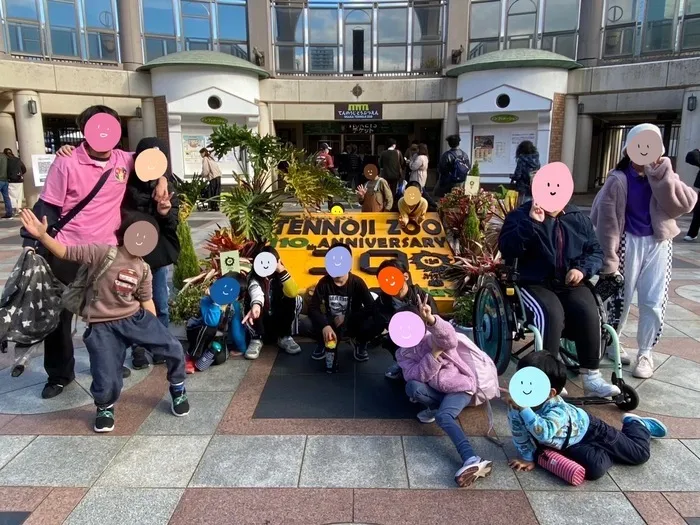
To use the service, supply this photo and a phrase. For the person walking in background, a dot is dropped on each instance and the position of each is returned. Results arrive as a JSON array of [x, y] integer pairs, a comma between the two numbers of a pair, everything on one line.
[[693, 158], [453, 168], [419, 166], [5, 186], [527, 164], [355, 175], [212, 172], [15, 177], [391, 166], [324, 159]]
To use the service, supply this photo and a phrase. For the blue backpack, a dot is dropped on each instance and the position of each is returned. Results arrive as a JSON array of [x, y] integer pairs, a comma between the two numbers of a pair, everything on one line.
[[460, 169]]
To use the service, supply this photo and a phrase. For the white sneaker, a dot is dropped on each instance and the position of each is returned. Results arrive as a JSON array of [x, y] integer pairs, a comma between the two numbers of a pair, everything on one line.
[[253, 351], [595, 386], [564, 392], [688, 238], [644, 368], [473, 469], [427, 415], [625, 358], [289, 345]]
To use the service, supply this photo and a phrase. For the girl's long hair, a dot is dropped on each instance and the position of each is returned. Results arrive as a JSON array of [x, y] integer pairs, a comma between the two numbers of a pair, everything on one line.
[[624, 163]]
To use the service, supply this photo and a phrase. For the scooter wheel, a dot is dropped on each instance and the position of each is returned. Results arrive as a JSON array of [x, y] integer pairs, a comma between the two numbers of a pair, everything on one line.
[[628, 399]]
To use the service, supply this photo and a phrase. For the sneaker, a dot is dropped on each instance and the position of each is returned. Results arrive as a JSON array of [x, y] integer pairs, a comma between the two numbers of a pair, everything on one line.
[[158, 360], [319, 353], [394, 372], [655, 427], [595, 386], [51, 390], [427, 415], [644, 368], [289, 345], [254, 348], [104, 420], [189, 366], [688, 238], [624, 356], [564, 392], [180, 406], [139, 360], [473, 469], [360, 352], [126, 372]]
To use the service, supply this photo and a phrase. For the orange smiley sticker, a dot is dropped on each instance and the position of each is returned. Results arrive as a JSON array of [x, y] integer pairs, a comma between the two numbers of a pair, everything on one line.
[[151, 164], [391, 280]]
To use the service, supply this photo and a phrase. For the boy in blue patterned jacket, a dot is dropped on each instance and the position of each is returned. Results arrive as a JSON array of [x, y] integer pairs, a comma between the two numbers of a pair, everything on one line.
[[592, 443]]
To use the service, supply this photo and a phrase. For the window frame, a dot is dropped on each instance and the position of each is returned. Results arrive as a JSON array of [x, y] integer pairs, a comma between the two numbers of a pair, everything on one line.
[[675, 21], [218, 41], [87, 30], [77, 31], [185, 40], [533, 36], [498, 39], [288, 45], [565, 32], [681, 31], [37, 23], [162, 37]]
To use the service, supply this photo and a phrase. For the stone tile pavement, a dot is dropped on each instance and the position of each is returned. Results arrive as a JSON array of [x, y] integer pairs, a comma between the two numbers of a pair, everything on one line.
[[222, 465]]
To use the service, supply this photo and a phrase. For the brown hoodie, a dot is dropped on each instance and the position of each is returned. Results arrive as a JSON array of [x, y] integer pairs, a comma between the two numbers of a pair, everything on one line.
[[671, 198]]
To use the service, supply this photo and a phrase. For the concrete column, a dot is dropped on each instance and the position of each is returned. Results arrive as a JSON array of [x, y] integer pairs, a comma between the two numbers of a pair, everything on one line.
[[30, 135], [177, 156], [148, 113], [589, 33], [465, 134], [568, 143], [449, 124], [264, 121], [582, 158], [130, 34], [8, 136], [260, 32], [457, 22], [134, 127], [689, 137], [3, 49]]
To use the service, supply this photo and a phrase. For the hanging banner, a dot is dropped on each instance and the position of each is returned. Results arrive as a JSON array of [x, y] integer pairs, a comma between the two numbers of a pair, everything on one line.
[[358, 111], [373, 237]]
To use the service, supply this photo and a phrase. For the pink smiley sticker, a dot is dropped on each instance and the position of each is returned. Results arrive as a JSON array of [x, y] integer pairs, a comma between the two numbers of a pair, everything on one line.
[[552, 187], [406, 329], [103, 132]]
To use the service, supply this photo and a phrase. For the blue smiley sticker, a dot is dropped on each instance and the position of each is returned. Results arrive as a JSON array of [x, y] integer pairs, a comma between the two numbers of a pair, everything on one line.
[[529, 387], [338, 261], [225, 290]]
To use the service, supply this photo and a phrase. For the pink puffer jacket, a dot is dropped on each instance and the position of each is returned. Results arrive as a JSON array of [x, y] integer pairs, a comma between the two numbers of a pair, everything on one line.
[[418, 363]]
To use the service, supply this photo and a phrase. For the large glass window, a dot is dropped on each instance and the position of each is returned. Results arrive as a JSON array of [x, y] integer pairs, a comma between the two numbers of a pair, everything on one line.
[[158, 28], [233, 29], [101, 30], [63, 23], [358, 40], [23, 27], [289, 38], [196, 25], [521, 23], [691, 25], [427, 38], [559, 33]]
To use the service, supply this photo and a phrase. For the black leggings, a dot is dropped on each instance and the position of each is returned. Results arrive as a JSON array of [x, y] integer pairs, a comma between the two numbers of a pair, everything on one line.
[[547, 308], [279, 323], [695, 223]]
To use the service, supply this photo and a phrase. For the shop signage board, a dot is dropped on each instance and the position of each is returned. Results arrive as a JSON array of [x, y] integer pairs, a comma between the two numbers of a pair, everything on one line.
[[214, 121], [505, 119], [358, 128], [358, 111], [302, 243]]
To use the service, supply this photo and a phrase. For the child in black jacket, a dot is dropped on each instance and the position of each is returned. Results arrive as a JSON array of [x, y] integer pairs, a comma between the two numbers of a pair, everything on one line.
[[336, 311]]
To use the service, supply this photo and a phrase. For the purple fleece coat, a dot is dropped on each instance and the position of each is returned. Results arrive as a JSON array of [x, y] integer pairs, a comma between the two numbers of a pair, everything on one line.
[[670, 198], [418, 363]]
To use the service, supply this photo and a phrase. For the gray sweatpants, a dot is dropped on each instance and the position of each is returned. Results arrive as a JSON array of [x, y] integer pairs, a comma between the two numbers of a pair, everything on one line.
[[107, 343]]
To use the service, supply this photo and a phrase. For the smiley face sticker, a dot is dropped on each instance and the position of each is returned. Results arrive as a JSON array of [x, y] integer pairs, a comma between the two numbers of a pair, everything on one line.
[[644, 145], [406, 329], [552, 187], [225, 290], [529, 387], [265, 264], [371, 172], [151, 164], [103, 132], [140, 238], [338, 261], [391, 280], [412, 196], [337, 209]]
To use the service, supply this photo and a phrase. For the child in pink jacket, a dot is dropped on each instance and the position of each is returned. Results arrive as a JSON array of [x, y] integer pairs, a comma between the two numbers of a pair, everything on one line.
[[434, 378]]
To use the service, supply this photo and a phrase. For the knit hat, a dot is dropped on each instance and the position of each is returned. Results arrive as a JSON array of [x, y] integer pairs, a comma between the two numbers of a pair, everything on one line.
[[637, 130]]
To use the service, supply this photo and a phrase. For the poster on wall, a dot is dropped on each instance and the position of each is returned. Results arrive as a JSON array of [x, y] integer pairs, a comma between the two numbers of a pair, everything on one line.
[[483, 148], [40, 168], [191, 144], [518, 137]]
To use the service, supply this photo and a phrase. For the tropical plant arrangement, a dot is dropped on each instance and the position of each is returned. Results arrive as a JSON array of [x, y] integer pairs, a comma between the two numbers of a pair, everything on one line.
[[189, 191], [465, 218], [186, 303], [254, 204], [463, 310]]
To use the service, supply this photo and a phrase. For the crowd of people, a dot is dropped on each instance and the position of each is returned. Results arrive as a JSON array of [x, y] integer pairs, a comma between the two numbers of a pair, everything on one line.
[[630, 231]]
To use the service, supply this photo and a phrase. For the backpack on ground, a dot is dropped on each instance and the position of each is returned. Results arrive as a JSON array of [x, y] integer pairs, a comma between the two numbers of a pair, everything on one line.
[[75, 295], [460, 169]]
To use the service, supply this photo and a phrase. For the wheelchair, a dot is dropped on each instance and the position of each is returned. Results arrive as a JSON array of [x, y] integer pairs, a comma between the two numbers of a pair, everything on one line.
[[500, 318]]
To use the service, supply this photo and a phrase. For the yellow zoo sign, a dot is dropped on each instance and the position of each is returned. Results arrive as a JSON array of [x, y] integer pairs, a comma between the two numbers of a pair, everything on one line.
[[302, 243]]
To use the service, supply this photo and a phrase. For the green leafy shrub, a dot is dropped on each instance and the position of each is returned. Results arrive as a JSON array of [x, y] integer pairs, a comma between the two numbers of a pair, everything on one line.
[[464, 309], [186, 304], [187, 264]]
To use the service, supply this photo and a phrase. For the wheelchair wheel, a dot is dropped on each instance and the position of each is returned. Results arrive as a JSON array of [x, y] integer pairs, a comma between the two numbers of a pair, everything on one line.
[[492, 323], [628, 399]]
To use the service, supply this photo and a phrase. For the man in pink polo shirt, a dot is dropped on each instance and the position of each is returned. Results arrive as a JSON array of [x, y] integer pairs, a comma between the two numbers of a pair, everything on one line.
[[69, 180]]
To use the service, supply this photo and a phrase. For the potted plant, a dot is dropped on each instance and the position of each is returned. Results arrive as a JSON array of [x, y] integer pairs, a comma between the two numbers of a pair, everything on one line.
[[463, 310]]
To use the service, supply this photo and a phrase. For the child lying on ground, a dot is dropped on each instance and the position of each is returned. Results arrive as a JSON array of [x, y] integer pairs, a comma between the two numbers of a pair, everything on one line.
[[434, 380], [592, 443], [120, 313]]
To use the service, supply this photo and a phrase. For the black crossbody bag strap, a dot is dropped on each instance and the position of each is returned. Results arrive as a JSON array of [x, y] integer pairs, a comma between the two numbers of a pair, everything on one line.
[[55, 228]]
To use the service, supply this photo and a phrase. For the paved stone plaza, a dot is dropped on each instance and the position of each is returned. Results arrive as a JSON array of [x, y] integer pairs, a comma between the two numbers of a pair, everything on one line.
[[345, 449]]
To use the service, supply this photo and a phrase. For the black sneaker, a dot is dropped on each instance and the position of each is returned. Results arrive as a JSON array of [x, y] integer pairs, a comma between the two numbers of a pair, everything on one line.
[[139, 359], [126, 372], [51, 390], [104, 420], [361, 352], [319, 353], [158, 360], [180, 406]]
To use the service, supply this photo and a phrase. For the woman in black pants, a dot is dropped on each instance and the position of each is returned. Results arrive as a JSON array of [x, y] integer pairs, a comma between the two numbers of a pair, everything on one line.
[[693, 158], [556, 252]]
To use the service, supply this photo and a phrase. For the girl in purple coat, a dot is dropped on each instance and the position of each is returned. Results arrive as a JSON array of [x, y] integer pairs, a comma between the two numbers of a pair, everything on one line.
[[434, 376]]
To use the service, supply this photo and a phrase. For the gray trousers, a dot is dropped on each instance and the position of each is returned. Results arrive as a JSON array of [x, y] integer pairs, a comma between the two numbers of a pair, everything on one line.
[[107, 342]]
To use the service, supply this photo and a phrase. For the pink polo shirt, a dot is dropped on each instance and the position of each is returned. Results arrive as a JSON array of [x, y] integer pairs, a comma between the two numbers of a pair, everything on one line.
[[72, 178]]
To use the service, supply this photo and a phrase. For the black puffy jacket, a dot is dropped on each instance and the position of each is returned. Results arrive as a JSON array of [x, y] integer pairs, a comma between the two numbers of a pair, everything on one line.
[[139, 197], [547, 251]]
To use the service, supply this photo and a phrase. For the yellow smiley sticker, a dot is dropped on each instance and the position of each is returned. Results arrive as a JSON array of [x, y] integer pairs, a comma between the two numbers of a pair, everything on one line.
[[337, 209]]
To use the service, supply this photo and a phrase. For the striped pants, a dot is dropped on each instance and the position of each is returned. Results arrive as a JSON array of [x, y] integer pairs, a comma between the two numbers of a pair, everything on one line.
[[550, 310]]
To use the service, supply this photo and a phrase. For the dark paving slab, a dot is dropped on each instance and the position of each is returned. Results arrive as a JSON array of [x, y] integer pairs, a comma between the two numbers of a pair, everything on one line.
[[681, 264], [14, 240], [653, 507], [198, 223], [9, 224], [13, 518], [380, 398]]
